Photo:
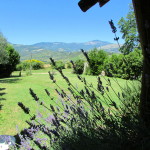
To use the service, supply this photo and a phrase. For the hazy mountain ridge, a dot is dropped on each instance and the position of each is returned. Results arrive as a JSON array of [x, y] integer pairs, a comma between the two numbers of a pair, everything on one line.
[[56, 46], [61, 50]]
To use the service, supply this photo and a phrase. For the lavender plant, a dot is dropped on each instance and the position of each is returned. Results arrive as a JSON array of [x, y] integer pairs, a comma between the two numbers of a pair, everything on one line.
[[114, 30], [85, 119], [128, 68]]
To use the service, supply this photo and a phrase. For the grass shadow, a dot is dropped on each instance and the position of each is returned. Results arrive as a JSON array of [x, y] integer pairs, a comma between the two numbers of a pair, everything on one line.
[[1, 94], [2, 89], [14, 76], [1, 98], [10, 80]]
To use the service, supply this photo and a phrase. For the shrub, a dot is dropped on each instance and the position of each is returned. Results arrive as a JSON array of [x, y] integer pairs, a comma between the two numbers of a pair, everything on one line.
[[134, 64], [79, 66], [37, 65], [25, 65], [97, 59], [113, 66], [125, 66], [13, 59], [33, 64]]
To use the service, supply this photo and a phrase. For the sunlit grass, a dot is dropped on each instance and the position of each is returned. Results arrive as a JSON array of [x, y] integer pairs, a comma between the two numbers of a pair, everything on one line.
[[17, 90]]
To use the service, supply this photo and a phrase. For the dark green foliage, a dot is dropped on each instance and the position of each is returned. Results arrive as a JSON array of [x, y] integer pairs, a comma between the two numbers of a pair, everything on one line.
[[128, 28], [96, 61], [14, 57], [37, 65], [9, 66], [113, 64], [79, 66], [134, 64], [125, 66], [5, 70]]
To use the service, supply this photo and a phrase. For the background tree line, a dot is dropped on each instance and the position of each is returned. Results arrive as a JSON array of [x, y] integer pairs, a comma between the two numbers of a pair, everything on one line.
[[116, 65], [128, 64]]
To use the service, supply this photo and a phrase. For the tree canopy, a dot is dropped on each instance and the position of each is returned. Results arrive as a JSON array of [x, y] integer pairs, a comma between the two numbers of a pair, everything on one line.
[[3, 53], [97, 60], [128, 28], [9, 58]]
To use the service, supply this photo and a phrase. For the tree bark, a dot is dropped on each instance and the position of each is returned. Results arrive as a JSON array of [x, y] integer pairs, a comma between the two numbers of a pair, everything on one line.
[[142, 13]]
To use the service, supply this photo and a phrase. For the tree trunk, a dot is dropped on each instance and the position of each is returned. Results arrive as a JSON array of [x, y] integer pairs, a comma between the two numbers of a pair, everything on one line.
[[142, 13]]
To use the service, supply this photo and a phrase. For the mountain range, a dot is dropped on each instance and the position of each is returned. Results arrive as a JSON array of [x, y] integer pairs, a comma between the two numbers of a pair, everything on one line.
[[61, 50]]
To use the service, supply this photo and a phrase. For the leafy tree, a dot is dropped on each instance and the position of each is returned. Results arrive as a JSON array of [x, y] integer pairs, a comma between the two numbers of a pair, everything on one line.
[[3, 53], [9, 58], [113, 66], [128, 28], [134, 64], [97, 60], [13, 57], [126, 67], [79, 66]]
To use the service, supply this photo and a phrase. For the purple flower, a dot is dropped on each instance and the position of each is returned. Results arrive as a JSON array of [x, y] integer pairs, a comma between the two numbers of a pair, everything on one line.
[[50, 119], [39, 115]]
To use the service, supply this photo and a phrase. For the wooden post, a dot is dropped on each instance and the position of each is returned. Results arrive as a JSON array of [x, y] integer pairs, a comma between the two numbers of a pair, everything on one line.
[[142, 13]]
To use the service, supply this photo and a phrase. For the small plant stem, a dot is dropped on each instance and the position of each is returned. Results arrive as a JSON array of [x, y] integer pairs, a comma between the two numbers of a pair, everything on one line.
[[117, 40]]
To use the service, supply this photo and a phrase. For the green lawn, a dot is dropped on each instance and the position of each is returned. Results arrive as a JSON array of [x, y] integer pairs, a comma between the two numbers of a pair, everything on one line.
[[16, 89]]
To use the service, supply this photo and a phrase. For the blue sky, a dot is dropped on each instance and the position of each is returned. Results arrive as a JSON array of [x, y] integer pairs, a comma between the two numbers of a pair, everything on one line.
[[33, 21]]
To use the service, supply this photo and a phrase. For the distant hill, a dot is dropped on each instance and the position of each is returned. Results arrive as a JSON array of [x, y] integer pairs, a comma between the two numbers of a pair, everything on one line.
[[111, 48], [60, 50]]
